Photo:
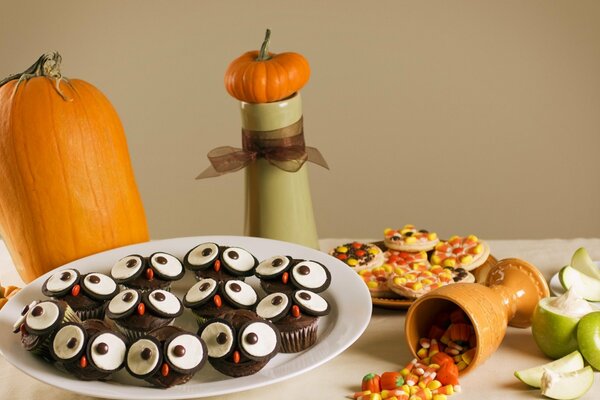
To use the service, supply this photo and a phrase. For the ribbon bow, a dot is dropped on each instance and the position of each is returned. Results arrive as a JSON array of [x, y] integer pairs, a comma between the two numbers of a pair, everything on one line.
[[284, 148]]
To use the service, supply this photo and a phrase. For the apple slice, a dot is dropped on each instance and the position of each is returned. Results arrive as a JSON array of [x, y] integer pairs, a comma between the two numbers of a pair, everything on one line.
[[533, 376], [585, 286], [567, 385], [583, 263], [588, 337]]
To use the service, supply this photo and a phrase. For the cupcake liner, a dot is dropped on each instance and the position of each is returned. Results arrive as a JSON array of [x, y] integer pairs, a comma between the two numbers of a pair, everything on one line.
[[94, 313], [131, 334], [43, 348], [299, 339]]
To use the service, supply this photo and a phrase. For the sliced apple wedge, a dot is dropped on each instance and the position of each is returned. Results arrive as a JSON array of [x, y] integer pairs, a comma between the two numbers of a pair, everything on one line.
[[567, 385], [585, 286], [533, 376], [583, 263]]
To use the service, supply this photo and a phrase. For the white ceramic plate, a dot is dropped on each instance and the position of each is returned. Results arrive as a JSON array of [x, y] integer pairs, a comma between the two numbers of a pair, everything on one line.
[[556, 288], [350, 314]]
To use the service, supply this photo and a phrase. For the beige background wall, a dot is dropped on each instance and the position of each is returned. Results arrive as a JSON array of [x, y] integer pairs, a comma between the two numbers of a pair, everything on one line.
[[461, 116]]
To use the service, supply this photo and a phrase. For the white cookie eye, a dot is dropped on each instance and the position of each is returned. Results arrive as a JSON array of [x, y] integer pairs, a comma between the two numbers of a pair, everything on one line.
[[202, 255], [240, 293], [127, 267], [273, 307], [238, 260], [99, 285], [202, 290], [185, 351], [258, 340], [143, 357], [61, 281], [24, 312], [42, 317], [123, 303], [166, 265], [164, 303], [310, 275], [219, 338], [68, 342], [107, 351], [272, 266], [311, 303]]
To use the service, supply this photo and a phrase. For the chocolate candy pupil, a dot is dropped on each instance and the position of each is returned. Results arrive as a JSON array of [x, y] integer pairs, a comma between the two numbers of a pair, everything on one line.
[[159, 296], [127, 297], [102, 348], [94, 279], [161, 260], [204, 287], [278, 262], [179, 351], [277, 300], [303, 270], [233, 255], [72, 343], [65, 276], [146, 353], [252, 338], [207, 252], [304, 296], [37, 311], [235, 287], [222, 338], [131, 263]]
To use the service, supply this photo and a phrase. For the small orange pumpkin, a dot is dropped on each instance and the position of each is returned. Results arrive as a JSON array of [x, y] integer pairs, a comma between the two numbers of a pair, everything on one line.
[[67, 187], [263, 77]]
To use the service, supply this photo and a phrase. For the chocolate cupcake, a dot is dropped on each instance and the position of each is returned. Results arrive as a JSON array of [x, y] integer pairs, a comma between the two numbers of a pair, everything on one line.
[[295, 316], [70, 343], [239, 343], [134, 313], [221, 263], [156, 272], [38, 322], [86, 294], [167, 356], [284, 274], [209, 299]]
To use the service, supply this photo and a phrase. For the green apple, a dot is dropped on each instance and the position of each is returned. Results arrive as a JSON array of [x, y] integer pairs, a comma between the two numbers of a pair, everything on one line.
[[554, 323], [588, 336], [567, 385], [583, 263], [533, 376], [586, 286]]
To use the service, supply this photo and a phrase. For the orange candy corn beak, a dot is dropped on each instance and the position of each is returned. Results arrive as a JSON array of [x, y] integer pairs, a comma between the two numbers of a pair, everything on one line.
[[217, 300], [164, 370], [217, 265], [141, 309], [285, 277], [295, 311], [75, 290], [83, 362], [149, 274], [236, 357]]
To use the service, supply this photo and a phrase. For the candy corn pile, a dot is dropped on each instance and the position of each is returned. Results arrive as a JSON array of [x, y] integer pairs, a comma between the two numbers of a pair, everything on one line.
[[433, 375]]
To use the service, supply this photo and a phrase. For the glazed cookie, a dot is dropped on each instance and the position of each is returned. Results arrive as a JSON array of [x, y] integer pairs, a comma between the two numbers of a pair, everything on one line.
[[167, 356], [209, 299], [413, 283], [221, 263], [376, 280], [156, 272], [412, 260], [134, 312], [410, 239], [240, 343], [284, 274], [358, 255], [461, 252]]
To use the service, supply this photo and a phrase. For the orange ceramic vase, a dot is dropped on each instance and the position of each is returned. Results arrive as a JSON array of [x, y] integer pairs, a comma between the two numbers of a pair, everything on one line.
[[513, 289]]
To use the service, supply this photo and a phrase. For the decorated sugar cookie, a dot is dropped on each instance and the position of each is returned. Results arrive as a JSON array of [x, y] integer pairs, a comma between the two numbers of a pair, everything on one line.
[[413, 283], [358, 255], [410, 239], [412, 260], [461, 252], [376, 280]]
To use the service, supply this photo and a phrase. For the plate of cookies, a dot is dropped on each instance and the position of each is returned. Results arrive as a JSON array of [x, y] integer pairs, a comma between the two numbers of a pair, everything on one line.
[[184, 318], [410, 262]]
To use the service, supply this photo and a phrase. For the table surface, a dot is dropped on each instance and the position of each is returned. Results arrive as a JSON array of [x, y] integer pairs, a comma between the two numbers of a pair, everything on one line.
[[381, 348]]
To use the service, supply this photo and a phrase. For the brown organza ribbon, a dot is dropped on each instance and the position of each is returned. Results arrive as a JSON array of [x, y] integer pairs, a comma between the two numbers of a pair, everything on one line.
[[283, 148]]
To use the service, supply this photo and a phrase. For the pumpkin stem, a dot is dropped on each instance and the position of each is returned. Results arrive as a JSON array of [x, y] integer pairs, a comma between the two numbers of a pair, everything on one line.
[[48, 65], [264, 49]]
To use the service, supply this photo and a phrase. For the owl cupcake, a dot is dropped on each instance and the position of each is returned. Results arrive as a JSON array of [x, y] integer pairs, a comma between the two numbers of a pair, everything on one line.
[[166, 356], [221, 263], [239, 343], [155, 272], [285, 274], [134, 313]]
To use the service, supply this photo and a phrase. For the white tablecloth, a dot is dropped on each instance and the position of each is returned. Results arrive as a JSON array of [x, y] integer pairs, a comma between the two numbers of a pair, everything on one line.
[[381, 348]]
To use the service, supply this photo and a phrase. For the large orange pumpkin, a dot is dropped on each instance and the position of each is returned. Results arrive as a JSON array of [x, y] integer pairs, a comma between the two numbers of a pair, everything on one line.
[[263, 77], [67, 188]]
